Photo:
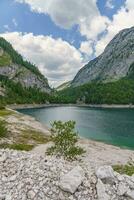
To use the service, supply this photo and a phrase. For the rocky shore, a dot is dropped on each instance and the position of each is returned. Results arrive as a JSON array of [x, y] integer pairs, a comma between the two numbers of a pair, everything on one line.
[[30, 176], [35, 176]]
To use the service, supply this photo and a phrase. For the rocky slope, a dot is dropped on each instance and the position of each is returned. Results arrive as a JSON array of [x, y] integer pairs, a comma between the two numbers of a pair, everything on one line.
[[16, 69], [117, 61], [21, 131], [63, 86], [34, 175], [30, 176]]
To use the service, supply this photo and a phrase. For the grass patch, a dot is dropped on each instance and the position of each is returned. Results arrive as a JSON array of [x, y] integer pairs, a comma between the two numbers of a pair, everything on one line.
[[3, 129], [35, 136], [5, 59], [5, 112], [19, 147], [124, 169]]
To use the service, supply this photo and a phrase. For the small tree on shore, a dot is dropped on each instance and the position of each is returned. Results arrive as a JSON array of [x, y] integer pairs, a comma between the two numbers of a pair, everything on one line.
[[64, 138]]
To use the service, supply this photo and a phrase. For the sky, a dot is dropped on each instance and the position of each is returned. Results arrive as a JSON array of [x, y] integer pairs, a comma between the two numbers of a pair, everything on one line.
[[61, 36]]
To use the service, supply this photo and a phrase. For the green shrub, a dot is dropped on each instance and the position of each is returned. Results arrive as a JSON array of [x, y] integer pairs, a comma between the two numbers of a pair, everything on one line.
[[3, 129], [65, 139], [125, 169]]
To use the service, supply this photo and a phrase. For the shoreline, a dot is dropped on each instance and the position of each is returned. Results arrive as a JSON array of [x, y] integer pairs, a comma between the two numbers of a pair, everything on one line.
[[97, 152], [30, 106], [89, 140]]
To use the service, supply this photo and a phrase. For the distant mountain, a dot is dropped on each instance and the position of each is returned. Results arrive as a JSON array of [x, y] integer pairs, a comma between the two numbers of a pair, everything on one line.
[[63, 86], [116, 62], [20, 77]]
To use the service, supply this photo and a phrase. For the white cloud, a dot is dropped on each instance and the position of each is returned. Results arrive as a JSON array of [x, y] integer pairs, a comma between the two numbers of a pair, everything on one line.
[[65, 13], [123, 19], [109, 4], [91, 29], [86, 48], [71, 12], [130, 4], [15, 22], [58, 60], [98, 29]]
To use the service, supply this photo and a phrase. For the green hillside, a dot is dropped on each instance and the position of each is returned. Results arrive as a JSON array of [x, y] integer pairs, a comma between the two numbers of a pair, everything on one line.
[[119, 92], [16, 93], [18, 59]]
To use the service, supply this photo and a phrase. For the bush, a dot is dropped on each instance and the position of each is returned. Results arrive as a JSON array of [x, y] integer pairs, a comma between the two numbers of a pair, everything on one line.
[[3, 129], [65, 139], [125, 169]]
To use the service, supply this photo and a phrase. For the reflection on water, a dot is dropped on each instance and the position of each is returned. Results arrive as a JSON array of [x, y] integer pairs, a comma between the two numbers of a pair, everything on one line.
[[115, 126]]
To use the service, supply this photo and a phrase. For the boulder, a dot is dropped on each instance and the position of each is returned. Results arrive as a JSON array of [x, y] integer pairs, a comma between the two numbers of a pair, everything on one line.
[[122, 189], [106, 174], [72, 180], [101, 193], [130, 194]]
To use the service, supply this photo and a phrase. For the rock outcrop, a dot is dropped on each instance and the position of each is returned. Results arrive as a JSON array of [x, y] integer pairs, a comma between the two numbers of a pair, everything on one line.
[[15, 68], [25, 77], [114, 63]]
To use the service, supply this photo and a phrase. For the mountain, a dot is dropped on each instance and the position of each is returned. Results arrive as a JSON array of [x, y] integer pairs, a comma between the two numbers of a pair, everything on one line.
[[19, 78], [116, 62], [15, 68], [63, 86], [117, 92]]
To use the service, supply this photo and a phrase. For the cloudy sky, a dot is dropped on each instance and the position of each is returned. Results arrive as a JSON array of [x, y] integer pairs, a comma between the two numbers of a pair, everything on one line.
[[60, 36]]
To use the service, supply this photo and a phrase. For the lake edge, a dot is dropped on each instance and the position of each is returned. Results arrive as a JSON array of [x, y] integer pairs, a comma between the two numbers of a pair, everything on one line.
[[30, 106]]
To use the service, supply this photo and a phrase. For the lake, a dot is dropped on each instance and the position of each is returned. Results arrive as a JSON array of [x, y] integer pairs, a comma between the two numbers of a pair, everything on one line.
[[113, 126]]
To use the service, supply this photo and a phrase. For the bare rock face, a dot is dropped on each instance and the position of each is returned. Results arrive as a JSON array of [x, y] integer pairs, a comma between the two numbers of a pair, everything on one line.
[[114, 63], [25, 77], [15, 68]]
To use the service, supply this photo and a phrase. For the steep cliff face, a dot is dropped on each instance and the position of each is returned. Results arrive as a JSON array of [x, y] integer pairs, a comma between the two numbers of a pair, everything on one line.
[[114, 63], [25, 77], [16, 69]]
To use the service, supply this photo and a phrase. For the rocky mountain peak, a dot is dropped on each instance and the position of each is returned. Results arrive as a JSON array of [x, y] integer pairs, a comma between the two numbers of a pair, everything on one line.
[[113, 64]]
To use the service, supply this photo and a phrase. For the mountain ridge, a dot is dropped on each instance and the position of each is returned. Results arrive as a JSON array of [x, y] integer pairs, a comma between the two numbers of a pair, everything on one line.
[[20, 81], [114, 63], [13, 66]]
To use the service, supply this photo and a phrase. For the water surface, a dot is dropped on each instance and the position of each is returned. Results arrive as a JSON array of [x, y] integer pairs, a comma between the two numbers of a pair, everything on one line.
[[113, 126]]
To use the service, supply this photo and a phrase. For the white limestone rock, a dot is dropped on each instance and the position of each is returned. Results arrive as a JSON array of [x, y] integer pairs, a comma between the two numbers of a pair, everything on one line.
[[106, 173], [72, 180], [130, 194], [101, 191], [122, 189]]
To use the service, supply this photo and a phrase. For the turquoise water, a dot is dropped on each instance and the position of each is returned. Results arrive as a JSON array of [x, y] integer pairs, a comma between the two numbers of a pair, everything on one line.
[[113, 126]]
